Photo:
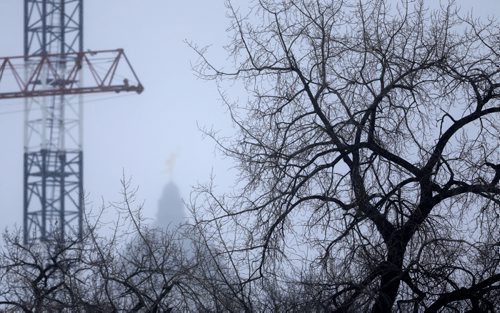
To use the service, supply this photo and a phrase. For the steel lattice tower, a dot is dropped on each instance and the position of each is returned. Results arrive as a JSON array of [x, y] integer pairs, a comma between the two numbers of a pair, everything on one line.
[[56, 74], [53, 158]]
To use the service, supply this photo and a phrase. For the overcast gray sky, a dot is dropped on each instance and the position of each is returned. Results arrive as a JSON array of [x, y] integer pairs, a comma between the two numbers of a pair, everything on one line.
[[141, 134]]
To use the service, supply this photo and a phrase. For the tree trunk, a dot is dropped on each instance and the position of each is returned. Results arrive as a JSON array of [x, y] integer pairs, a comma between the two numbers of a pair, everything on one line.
[[390, 279]]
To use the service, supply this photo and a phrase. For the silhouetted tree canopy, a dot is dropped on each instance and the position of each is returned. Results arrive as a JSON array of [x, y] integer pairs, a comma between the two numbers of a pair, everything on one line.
[[368, 151], [369, 178]]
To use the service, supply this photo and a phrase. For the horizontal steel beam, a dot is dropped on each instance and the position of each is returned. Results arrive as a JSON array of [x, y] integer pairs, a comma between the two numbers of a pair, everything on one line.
[[67, 74]]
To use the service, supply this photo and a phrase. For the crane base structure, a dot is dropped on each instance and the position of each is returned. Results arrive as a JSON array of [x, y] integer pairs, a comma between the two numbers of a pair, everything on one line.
[[52, 76]]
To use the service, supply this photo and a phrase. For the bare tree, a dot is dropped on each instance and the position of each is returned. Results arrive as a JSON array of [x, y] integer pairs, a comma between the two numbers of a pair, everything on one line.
[[122, 266], [369, 179], [48, 277], [368, 152]]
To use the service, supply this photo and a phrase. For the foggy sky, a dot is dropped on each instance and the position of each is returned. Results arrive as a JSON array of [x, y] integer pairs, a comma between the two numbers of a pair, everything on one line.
[[139, 134]]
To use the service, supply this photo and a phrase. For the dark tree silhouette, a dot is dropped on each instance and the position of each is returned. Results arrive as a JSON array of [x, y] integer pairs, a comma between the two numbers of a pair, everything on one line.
[[368, 151], [124, 266], [369, 166]]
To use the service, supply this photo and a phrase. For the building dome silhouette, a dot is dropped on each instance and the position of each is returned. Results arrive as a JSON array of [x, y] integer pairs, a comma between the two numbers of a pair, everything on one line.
[[170, 207]]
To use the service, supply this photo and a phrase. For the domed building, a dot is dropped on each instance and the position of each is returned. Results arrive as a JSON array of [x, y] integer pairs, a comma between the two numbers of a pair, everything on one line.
[[170, 207]]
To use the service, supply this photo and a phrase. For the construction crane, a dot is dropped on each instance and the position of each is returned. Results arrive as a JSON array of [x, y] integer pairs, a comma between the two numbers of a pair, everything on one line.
[[51, 77]]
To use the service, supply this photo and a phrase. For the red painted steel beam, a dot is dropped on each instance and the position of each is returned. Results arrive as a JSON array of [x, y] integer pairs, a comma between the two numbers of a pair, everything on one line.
[[103, 71]]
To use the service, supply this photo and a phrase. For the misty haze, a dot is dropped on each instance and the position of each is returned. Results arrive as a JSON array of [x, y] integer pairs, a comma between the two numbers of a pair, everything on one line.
[[250, 156]]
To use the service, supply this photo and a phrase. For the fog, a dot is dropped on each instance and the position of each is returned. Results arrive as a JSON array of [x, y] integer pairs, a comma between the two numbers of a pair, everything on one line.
[[139, 135]]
